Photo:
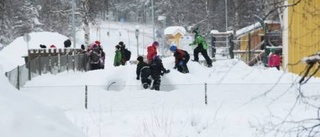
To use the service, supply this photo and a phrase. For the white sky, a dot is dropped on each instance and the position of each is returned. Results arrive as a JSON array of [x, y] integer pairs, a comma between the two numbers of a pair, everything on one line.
[[53, 105]]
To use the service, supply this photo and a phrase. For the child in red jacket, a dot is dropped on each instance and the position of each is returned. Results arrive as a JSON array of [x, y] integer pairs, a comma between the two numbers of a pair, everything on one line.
[[274, 59], [152, 51]]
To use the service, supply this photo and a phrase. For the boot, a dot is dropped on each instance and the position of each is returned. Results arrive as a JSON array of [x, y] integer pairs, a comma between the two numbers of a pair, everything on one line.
[[145, 85]]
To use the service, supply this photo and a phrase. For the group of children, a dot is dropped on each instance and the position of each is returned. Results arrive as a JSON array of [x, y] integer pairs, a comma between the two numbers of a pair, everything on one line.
[[152, 70], [96, 55]]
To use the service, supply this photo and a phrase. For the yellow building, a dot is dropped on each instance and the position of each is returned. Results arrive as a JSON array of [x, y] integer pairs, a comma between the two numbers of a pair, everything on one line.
[[256, 34], [301, 33], [252, 38], [174, 34]]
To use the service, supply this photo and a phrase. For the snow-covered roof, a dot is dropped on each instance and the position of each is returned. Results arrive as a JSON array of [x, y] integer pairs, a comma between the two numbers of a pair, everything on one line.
[[254, 26], [247, 29], [216, 32], [173, 30]]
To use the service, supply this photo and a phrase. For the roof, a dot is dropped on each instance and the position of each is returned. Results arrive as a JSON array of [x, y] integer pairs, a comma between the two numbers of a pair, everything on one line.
[[173, 30], [217, 33], [252, 27]]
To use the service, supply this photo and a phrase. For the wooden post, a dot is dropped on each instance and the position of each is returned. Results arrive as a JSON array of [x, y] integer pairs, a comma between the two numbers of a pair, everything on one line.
[[29, 70], [205, 94], [39, 58], [18, 78], [67, 62], [249, 48], [73, 63], [86, 98]]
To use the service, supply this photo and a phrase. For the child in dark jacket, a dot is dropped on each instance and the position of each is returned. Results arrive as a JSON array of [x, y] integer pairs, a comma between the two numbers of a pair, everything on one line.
[[143, 71], [157, 70]]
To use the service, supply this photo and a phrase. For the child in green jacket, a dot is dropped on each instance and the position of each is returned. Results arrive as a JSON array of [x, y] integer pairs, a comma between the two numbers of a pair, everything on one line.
[[117, 57]]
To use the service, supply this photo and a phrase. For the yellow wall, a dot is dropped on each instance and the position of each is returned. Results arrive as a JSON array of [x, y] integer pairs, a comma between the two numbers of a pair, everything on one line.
[[255, 39], [255, 36], [303, 32], [175, 39]]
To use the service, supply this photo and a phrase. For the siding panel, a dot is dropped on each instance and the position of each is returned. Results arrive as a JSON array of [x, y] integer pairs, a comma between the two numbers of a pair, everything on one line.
[[304, 32]]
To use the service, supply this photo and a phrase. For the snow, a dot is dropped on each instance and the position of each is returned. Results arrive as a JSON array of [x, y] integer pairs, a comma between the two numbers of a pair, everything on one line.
[[252, 27], [248, 29], [173, 30], [22, 116], [54, 105], [12, 55]]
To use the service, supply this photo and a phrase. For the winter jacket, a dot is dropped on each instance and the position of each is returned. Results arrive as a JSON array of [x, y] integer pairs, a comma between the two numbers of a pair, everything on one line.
[[151, 52], [181, 55], [117, 58], [157, 68], [143, 70], [274, 60], [200, 41]]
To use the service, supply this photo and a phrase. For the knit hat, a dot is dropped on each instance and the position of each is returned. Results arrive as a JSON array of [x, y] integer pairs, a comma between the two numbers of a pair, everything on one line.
[[97, 42], [121, 44], [272, 50], [155, 43], [173, 48], [140, 58]]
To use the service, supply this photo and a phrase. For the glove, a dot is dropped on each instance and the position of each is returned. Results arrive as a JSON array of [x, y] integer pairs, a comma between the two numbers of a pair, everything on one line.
[[167, 71], [190, 44], [161, 74], [175, 67], [180, 63], [138, 78]]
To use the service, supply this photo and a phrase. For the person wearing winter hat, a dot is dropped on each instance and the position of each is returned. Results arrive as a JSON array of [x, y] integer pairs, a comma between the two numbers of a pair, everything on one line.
[[143, 71], [274, 59], [126, 54], [97, 42], [181, 59], [53, 46], [152, 51], [201, 48], [157, 70], [117, 56]]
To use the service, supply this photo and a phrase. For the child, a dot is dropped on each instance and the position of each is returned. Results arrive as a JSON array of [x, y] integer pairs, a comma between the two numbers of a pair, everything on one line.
[[157, 70], [181, 59], [274, 59], [117, 56], [143, 71]]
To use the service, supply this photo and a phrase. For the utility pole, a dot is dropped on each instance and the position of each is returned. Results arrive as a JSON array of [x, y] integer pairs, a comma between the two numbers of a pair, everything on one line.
[[153, 29], [226, 8], [73, 23]]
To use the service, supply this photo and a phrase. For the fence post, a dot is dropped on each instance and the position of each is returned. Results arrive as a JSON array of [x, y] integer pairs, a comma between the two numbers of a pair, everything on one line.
[[18, 78], [29, 70], [74, 63], [86, 97], [39, 58], [50, 64], [67, 62], [205, 94]]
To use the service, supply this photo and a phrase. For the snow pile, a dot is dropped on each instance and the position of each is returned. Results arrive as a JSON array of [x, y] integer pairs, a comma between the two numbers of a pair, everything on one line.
[[23, 117], [12, 55]]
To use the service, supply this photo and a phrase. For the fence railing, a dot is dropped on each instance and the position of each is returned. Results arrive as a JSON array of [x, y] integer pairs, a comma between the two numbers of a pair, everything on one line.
[[47, 64], [93, 96]]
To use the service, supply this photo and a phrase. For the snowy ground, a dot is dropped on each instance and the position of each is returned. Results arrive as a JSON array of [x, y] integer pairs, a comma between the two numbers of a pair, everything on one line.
[[236, 103]]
